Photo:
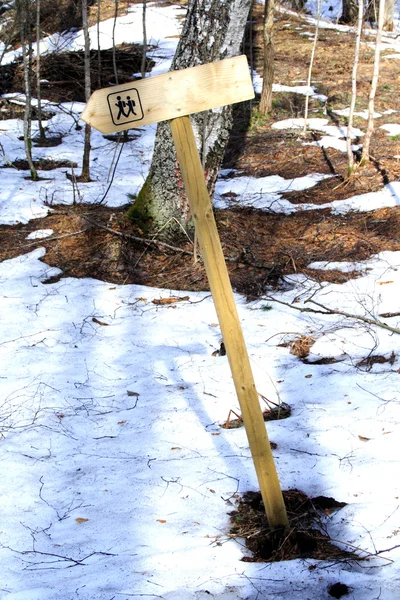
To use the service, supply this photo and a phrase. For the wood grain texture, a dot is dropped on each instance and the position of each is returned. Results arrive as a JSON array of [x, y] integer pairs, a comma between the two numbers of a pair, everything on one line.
[[221, 290], [173, 94]]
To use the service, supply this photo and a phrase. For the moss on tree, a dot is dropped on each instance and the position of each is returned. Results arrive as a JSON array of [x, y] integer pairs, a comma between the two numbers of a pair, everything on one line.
[[140, 211]]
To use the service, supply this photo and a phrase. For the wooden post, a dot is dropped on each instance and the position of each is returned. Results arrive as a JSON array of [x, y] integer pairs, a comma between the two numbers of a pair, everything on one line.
[[217, 273]]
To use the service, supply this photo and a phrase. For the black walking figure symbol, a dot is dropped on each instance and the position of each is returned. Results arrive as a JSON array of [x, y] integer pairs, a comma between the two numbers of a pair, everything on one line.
[[121, 105]]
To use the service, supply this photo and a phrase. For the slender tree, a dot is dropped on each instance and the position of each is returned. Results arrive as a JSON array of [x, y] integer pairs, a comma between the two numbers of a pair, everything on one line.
[[98, 45], [268, 66], [116, 6], [374, 84], [388, 19], [42, 134], [213, 30], [85, 175], [350, 156], [24, 19], [144, 54], [310, 68]]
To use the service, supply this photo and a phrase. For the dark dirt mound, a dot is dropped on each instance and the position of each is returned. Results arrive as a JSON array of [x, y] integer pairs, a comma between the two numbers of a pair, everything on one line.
[[306, 537]]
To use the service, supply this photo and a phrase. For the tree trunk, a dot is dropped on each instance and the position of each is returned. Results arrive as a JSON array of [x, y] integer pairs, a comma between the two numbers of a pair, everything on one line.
[[213, 30], [350, 156], [268, 66], [298, 5], [98, 45], [349, 12], [374, 84], [310, 68], [85, 175], [113, 42], [42, 134], [388, 21], [144, 51], [23, 16]]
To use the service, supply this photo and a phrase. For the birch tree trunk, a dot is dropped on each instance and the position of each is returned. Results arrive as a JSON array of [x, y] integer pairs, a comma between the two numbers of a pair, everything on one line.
[[98, 45], [374, 84], [144, 51], [23, 15], [350, 156], [213, 30], [268, 65], [310, 68], [42, 134], [85, 175], [113, 42]]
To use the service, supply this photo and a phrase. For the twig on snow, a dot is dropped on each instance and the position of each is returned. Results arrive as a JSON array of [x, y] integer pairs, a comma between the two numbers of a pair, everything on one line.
[[334, 311]]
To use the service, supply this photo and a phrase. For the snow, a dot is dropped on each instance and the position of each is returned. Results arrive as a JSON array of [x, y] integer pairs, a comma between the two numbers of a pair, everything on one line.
[[117, 475], [392, 128], [39, 234]]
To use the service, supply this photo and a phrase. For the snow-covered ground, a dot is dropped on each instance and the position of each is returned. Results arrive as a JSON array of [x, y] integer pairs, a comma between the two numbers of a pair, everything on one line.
[[117, 478]]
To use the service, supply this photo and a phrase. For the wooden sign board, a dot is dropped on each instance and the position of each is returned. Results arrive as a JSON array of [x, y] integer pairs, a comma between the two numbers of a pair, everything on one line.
[[168, 96]]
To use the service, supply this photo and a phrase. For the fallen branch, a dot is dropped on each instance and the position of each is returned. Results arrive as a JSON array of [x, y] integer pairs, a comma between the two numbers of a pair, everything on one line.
[[135, 238], [330, 311]]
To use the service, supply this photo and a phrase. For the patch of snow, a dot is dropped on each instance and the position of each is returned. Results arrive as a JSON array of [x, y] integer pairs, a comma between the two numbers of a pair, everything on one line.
[[317, 124], [292, 89], [392, 128], [328, 141], [262, 192], [121, 459], [345, 112], [39, 234]]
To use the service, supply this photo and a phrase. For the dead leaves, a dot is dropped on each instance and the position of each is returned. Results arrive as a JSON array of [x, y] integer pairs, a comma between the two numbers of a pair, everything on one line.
[[81, 520]]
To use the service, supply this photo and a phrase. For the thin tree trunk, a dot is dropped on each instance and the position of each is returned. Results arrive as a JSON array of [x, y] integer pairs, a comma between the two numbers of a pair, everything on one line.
[[268, 67], [85, 175], [319, 2], [24, 24], [350, 155], [144, 55], [42, 134], [113, 42], [98, 46], [374, 84]]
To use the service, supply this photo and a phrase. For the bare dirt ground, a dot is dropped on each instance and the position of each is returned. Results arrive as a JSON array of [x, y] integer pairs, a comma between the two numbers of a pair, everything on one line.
[[260, 247]]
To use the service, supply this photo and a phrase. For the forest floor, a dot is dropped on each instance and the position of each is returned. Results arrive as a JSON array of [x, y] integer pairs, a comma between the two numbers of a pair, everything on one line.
[[260, 246]]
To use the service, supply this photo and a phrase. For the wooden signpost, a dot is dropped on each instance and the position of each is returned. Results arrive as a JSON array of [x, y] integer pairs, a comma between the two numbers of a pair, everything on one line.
[[173, 96]]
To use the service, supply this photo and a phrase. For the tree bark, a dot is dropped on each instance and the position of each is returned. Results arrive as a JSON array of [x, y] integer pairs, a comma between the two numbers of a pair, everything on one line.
[[388, 21], [349, 12], [85, 175], [98, 45], [42, 134], [213, 30], [23, 15], [268, 66], [113, 41], [350, 156], [310, 68], [144, 51], [374, 84]]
